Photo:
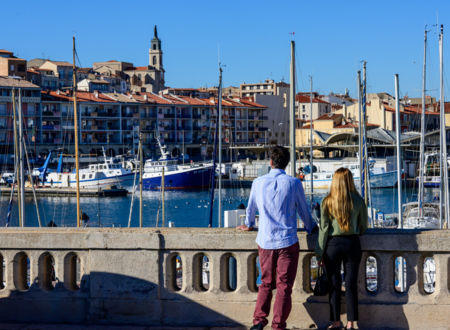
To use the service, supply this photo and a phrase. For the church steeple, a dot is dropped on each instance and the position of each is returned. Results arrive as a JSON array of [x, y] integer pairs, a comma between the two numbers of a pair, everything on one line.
[[155, 53]]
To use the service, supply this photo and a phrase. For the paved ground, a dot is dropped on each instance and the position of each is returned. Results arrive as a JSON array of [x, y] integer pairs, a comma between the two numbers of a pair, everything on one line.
[[24, 326]]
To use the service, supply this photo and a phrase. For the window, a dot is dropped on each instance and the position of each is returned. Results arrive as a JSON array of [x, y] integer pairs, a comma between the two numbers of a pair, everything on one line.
[[154, 60], [11, 67]]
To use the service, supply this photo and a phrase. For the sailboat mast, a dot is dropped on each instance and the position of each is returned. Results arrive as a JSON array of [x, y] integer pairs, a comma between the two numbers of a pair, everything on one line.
[[163, 198], [364, 131], [21, 161], [292, 108], [399, 155], [141, 163], [16, 158], [219, 118], [360, 140], [444, 162], [422, 130], [311, 138], [75, 119]]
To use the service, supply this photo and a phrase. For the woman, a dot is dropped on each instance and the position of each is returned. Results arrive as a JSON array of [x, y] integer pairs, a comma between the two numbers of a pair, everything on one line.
[[343, 218]]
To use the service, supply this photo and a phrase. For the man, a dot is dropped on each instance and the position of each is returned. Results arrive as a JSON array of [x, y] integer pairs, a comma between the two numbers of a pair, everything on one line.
[[278, 198]]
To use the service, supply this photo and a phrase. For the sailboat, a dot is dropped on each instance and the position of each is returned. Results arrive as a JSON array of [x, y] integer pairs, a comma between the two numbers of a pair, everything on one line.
[[432, 176], [379, 178], [422, 214]]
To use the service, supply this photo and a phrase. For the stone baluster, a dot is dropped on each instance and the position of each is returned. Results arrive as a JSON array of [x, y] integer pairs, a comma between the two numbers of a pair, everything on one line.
[[414, 291], [216, 271], [442, 278], [34, 268], [385, 277], [246, 272], [8, 257], [187, 260]]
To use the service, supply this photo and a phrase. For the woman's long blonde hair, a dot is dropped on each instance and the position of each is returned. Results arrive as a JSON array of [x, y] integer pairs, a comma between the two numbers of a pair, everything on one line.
[[338, 202]]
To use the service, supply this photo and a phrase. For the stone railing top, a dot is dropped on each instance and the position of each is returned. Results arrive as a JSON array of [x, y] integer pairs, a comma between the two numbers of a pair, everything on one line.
[[436, 241]]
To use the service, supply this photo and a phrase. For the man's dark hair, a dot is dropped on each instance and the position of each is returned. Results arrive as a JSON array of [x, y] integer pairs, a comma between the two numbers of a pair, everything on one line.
[[280, 157]]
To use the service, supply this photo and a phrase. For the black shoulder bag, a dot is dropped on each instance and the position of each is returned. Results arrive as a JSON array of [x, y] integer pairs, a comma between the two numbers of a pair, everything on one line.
[[322, 285]]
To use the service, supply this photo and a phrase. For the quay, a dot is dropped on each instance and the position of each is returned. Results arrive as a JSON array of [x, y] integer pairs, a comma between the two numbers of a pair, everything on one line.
[[154, 277], [63, 192]]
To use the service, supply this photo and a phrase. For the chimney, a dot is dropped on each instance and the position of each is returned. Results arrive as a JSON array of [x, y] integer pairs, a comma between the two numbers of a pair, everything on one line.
[[96, 94], [145, 97]]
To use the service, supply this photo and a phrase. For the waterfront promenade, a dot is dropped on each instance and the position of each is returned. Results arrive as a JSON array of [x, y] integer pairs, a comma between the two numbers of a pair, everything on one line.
[[118, 276]]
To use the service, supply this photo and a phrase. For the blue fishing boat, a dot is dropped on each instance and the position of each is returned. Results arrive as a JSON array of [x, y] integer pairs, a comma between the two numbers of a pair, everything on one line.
[[176, 177]]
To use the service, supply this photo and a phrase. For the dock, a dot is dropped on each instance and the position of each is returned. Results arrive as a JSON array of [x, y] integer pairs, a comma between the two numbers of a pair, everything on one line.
[[64, 192]]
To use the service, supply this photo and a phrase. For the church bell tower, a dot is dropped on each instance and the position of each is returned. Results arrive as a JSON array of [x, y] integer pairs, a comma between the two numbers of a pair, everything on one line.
[[155, 52]]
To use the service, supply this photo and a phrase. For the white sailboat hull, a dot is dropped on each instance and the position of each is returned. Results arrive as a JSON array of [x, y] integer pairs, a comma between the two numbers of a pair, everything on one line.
[[377, 180]]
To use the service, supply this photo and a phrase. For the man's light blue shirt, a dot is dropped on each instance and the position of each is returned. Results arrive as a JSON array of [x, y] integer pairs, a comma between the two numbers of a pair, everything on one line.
[[278, 198]]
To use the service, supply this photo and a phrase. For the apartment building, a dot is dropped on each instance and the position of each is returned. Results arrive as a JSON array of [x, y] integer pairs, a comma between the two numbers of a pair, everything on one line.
[[31, 99], [268, 87], [60, 69], [11, 65], [381, 112], [113, 121], [303, 107]]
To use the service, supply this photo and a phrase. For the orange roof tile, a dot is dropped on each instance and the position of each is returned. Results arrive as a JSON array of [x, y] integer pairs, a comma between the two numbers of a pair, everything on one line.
[[306, 99]]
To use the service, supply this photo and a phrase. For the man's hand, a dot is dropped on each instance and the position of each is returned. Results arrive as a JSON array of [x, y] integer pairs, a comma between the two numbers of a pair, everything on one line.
[[321, 263], [244, 228]]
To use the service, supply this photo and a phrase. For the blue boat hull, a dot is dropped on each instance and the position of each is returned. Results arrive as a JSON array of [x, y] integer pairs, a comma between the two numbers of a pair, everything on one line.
[[191, 179]]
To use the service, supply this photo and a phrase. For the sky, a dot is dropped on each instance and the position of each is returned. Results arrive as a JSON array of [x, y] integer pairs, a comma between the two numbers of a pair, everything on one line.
[[251, 39]]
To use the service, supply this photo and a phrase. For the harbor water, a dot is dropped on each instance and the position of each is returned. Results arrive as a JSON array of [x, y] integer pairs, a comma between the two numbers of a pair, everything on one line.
[[182, 208]]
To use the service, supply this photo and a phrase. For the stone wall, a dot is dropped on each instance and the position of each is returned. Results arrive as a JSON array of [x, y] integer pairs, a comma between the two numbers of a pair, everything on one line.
[[132, 276]]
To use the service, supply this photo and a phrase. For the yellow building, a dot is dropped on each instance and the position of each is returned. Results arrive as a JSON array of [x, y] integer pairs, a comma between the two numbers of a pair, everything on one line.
[[323, 127]]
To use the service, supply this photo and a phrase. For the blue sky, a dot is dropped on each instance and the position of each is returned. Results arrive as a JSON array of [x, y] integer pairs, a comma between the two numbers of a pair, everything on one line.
[[252, 37]]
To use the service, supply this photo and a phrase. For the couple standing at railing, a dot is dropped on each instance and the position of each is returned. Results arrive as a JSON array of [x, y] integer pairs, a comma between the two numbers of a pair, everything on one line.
[[278, 198]]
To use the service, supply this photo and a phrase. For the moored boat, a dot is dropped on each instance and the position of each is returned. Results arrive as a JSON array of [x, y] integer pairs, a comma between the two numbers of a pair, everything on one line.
[[194, 176]]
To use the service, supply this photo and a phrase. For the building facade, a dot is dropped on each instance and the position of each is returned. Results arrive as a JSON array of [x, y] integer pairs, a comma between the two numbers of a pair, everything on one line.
[[268, 87], [149, 78], [113, 120], [303, 107], [31, 99], [11, 65], [381, 112], [60, 69]]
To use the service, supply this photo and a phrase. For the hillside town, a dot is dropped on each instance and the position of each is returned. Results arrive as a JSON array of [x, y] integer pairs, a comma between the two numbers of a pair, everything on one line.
[[118, 100]]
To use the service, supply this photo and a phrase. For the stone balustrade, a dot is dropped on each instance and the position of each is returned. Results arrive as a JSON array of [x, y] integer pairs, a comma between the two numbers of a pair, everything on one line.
[[159, 277]]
